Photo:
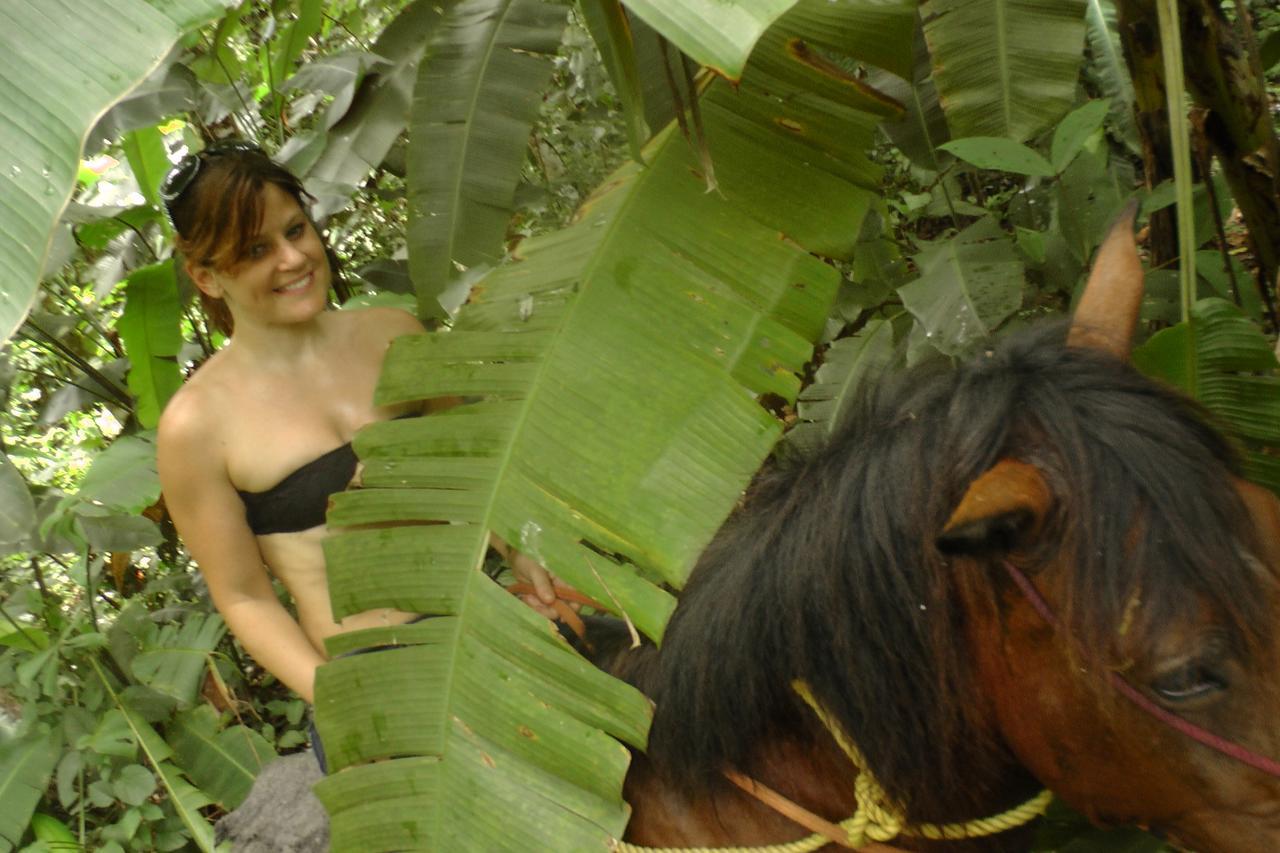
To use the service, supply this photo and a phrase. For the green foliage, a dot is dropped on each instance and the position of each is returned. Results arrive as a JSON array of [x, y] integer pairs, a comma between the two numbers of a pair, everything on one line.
[[478, 90], [1236, 376], [713, 33], [149, 329], [25, 767], [997, 152], [1004, 67], [47, 115], [968, 286]]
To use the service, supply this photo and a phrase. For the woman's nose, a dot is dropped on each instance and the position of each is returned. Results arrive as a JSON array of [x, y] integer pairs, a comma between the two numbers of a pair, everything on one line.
[[290, 255]]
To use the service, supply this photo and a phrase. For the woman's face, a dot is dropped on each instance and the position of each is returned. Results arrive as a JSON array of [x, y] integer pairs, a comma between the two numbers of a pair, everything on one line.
[[282, 274]]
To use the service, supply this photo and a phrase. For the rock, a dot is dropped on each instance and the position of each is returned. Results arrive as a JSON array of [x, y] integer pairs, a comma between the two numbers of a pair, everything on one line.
[[281, 814]]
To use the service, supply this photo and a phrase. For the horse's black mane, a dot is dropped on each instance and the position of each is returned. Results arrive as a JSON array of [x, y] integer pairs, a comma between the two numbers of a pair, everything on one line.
[[831, 572]]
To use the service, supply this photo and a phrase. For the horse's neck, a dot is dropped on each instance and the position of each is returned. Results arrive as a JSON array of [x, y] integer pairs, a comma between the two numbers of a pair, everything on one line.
[[816, 777], [820, 781]]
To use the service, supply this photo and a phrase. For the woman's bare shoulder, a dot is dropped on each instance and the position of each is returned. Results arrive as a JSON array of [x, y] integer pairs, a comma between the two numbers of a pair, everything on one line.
[[379, 323], [191, 414]]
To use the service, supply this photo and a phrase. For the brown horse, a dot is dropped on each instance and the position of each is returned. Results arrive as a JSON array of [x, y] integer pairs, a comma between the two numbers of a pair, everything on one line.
[[969, 578]]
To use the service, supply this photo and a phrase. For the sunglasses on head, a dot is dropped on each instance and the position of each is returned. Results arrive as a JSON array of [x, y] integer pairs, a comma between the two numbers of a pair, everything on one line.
[[182, 175]]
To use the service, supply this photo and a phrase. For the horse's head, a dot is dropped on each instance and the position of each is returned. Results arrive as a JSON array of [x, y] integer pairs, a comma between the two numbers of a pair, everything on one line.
[[1153, 571]]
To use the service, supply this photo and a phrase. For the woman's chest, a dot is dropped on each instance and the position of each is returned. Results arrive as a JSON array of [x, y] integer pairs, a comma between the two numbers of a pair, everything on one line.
[[273, 429]]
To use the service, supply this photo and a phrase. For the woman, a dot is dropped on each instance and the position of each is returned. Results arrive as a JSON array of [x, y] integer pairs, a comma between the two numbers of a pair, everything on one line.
[[251, 447]]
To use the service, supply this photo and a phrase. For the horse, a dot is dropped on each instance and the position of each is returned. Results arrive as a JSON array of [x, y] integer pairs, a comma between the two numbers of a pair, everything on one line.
[[1038, 570]]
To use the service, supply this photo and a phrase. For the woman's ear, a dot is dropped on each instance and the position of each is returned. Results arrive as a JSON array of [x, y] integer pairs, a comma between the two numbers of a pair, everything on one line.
[[204, 278]]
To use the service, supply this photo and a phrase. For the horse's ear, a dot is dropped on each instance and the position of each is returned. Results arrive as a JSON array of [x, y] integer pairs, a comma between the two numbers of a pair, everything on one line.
[[1108, 310], [1002, 510]]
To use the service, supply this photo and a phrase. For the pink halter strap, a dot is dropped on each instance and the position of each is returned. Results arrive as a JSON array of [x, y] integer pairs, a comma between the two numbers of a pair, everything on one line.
[[1229, 748]]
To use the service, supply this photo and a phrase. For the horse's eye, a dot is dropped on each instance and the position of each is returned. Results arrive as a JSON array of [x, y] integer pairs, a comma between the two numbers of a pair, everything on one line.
[[1190, 681]]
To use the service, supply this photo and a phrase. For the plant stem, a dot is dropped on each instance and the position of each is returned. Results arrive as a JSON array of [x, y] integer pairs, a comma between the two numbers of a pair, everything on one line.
[[1171, 50]]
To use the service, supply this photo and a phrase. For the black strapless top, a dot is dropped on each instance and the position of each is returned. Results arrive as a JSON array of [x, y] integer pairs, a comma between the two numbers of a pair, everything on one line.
[[299, 501]]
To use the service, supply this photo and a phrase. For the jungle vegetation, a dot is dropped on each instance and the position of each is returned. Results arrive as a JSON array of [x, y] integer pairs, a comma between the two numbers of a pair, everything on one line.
[[655, 237]]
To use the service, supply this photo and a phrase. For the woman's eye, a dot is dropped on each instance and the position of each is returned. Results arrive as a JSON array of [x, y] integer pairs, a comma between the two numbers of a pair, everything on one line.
[[295, 232], [1192, 681], [257, 250]]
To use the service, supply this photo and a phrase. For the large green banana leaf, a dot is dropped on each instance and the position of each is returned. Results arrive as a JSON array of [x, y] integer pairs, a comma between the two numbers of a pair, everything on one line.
[[62, 64], [1237, 378], [1004, 67], [477, 95], [719, 34], [614, 371]]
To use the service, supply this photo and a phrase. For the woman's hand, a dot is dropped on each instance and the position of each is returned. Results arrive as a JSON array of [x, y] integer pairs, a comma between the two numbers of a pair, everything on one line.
[[545, 585]]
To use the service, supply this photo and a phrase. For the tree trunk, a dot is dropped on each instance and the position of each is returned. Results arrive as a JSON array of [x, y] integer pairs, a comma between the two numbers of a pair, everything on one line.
[[1224, 81], [1141, 41]]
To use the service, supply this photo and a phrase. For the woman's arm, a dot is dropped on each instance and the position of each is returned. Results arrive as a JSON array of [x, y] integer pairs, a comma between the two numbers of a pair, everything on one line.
[[209, 516]]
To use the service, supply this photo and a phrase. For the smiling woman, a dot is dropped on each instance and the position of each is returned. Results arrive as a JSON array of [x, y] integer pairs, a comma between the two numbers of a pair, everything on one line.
[[253, 445]]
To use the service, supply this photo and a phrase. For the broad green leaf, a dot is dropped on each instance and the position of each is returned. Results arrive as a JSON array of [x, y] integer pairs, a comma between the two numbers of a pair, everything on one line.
[[359, 142], [1237, 377], [17, 509], [149, 160], [1270, 49], [1072, 132], [847, 366], [653, 58], [1032, 244], [108, 532], [612, 32], [1228, 278], [28, 638], [997, 152], [133, 784], [123, 477], [64, 65], [478, 93], [292, 40], [168, 91], [153, 746], [924, 127], [223, 60], [1004, 67], [113, 736], [53, 832], [26, 764], [174, 663], [1090, 193], [719, 34], [337, 75], [1107, 64], [222, 762], [186, 800], [968, 286], [615, 368], [150, 331]]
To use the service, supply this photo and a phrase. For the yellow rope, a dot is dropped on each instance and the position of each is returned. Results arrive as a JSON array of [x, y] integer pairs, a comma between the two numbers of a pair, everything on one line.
[[874, 819]]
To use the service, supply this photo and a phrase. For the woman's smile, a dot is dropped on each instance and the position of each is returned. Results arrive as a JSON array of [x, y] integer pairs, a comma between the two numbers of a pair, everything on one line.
[[296, 286]]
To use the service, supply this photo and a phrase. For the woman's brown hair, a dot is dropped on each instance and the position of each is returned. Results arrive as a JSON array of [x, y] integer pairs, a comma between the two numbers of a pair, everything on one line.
[[220, 209]]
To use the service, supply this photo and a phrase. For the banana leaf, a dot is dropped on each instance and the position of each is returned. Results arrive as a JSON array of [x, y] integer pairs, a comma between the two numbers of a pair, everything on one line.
[[719, 34], [1004, 67], [1237, 378], [478, 92], [614, 372], [46, 108]]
